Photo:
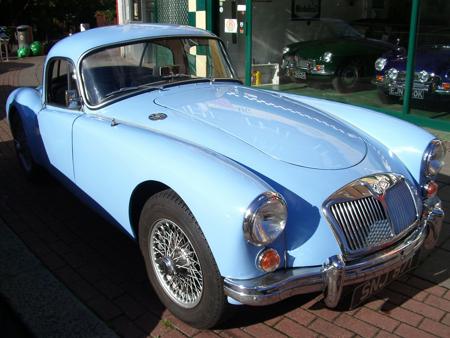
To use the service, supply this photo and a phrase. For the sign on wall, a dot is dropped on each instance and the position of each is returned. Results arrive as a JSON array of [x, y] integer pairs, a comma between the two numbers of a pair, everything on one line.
[[305, 9]]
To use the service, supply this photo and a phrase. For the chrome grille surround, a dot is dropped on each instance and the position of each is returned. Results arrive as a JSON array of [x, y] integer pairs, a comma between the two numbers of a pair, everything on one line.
[[306, 63], [372, 212]]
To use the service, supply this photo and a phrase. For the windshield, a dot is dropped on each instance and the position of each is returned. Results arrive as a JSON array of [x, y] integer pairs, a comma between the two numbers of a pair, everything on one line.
[[339, 29], [120, 70]]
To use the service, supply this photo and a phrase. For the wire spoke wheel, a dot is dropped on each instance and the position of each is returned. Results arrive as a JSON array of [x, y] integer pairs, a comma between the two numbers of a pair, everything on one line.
[[175, 263]]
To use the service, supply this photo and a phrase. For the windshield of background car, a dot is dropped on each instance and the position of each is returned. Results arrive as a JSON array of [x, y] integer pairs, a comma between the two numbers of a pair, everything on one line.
[[334, 30], [120, 70]]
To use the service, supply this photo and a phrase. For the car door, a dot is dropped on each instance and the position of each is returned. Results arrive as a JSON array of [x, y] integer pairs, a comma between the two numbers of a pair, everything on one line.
[[59, 113]]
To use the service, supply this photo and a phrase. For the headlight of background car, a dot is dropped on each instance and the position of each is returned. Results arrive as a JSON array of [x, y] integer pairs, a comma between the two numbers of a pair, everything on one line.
[[392, 74], [433, 159], [423, 76], [380, 64], [265, 219], [285, 50], [327, 56]]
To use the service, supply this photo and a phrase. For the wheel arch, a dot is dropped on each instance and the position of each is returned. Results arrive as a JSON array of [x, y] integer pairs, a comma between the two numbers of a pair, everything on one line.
[[139, 196]]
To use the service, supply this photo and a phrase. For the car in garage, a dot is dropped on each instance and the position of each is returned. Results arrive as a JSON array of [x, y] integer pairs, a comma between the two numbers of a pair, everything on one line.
[[342, 57], [234, 195], [431, 81]]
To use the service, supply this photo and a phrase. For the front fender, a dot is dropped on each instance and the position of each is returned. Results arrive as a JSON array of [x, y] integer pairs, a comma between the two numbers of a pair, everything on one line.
[[407, 141], [110, 161]]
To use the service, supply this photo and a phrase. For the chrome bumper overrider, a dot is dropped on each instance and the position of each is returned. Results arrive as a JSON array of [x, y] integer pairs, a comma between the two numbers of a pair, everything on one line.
[[333, 275]]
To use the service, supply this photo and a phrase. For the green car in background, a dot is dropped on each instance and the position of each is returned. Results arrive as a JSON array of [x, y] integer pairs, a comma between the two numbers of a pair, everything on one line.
[[341, 57]]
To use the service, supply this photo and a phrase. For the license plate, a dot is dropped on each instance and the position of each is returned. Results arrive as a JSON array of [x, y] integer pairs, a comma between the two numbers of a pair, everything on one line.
[[300, 74], [365, 290], [417, 93]]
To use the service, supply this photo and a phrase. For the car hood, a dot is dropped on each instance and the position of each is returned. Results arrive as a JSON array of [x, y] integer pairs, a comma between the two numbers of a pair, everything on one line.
[[279, 127], [343, 46], [433, 60]]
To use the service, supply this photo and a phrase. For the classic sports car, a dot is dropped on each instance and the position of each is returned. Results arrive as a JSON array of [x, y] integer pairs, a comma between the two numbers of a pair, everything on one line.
[[343, 58], [432, 74], [235, 195]]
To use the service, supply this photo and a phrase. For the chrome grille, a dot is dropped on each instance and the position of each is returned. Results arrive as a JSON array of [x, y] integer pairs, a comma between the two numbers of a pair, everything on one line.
[[401, 210], [306, 64], [363, 222], [371, 212], [401, 78]]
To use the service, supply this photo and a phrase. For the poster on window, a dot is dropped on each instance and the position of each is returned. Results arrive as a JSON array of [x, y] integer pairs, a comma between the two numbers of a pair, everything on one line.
[[305, 9], [231, 26]]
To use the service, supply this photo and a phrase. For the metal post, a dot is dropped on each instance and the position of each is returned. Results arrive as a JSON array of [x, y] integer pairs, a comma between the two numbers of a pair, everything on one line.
[[248, 42], [410, 69], [209, 14]]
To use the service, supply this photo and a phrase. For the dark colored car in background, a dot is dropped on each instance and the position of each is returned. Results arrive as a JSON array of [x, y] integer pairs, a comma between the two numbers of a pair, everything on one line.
[[432, 71], [344, 58]]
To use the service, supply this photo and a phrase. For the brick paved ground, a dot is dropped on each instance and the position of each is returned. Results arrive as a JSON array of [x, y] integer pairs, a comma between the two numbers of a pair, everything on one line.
[[103, 268]]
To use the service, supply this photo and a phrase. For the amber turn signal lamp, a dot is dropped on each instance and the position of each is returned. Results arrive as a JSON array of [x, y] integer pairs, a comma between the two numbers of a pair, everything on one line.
[[380, 78], [431, 189], [268, 260]]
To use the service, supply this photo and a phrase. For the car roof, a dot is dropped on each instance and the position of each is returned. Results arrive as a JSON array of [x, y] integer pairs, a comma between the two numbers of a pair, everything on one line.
[[74, 46]]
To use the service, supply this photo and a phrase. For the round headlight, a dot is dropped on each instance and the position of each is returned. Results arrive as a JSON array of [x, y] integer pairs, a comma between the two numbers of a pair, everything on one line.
[[265, 219], [423, 76], [433, 158], [380, 64], [392, 74], [286, 50], [327, 56]]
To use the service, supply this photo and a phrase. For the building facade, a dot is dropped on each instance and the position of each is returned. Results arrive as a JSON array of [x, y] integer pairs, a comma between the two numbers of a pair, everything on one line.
[[388, 55]]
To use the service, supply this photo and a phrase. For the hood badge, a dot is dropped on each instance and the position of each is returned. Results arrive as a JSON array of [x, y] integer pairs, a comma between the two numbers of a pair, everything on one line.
[[157, 116], [378, 185]]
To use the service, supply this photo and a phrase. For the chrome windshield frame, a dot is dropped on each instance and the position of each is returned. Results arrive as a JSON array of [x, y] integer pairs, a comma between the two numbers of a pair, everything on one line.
[[100, 105]]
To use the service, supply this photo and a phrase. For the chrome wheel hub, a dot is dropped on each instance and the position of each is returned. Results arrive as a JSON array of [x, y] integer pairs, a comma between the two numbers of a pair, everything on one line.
[[175, 263]]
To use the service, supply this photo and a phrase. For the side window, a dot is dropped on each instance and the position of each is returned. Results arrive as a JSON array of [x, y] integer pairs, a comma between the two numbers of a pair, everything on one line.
[[61, 83]]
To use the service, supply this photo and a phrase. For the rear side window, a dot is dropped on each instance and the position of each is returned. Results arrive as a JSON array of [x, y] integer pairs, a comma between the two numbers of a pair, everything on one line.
[[61, 79]]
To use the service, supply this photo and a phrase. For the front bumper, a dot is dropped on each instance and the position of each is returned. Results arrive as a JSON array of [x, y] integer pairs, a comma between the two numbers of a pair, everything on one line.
[[335, 274], [429, 92]]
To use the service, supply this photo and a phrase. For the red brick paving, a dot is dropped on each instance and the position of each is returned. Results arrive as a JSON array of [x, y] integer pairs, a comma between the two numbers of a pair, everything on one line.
[[104, 269]]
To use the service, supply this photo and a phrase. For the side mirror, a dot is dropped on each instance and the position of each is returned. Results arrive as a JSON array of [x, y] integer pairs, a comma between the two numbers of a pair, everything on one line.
[[73, 100]]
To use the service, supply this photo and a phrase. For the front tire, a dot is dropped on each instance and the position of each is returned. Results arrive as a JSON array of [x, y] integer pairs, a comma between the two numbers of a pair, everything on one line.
[[179, 262], [347, 78], [387, 99]]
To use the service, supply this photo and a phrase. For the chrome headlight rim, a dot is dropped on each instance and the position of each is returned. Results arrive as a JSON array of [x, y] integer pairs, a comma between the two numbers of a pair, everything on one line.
[[392, 74], [380, 64], [432, 166], [327, 56], [251, 214], [423, 76]]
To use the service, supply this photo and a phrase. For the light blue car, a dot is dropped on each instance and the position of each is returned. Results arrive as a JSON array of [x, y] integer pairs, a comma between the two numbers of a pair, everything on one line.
[[235, 195]]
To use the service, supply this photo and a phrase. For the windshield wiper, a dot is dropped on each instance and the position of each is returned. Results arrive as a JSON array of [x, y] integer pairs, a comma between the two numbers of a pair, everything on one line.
[[131, 89], [224, 79], [179, 76]]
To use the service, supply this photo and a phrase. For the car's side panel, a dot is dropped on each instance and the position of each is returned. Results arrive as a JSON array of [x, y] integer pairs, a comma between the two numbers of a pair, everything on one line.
[[407, 141], [55, 124], [216, 190], [27, 103]]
